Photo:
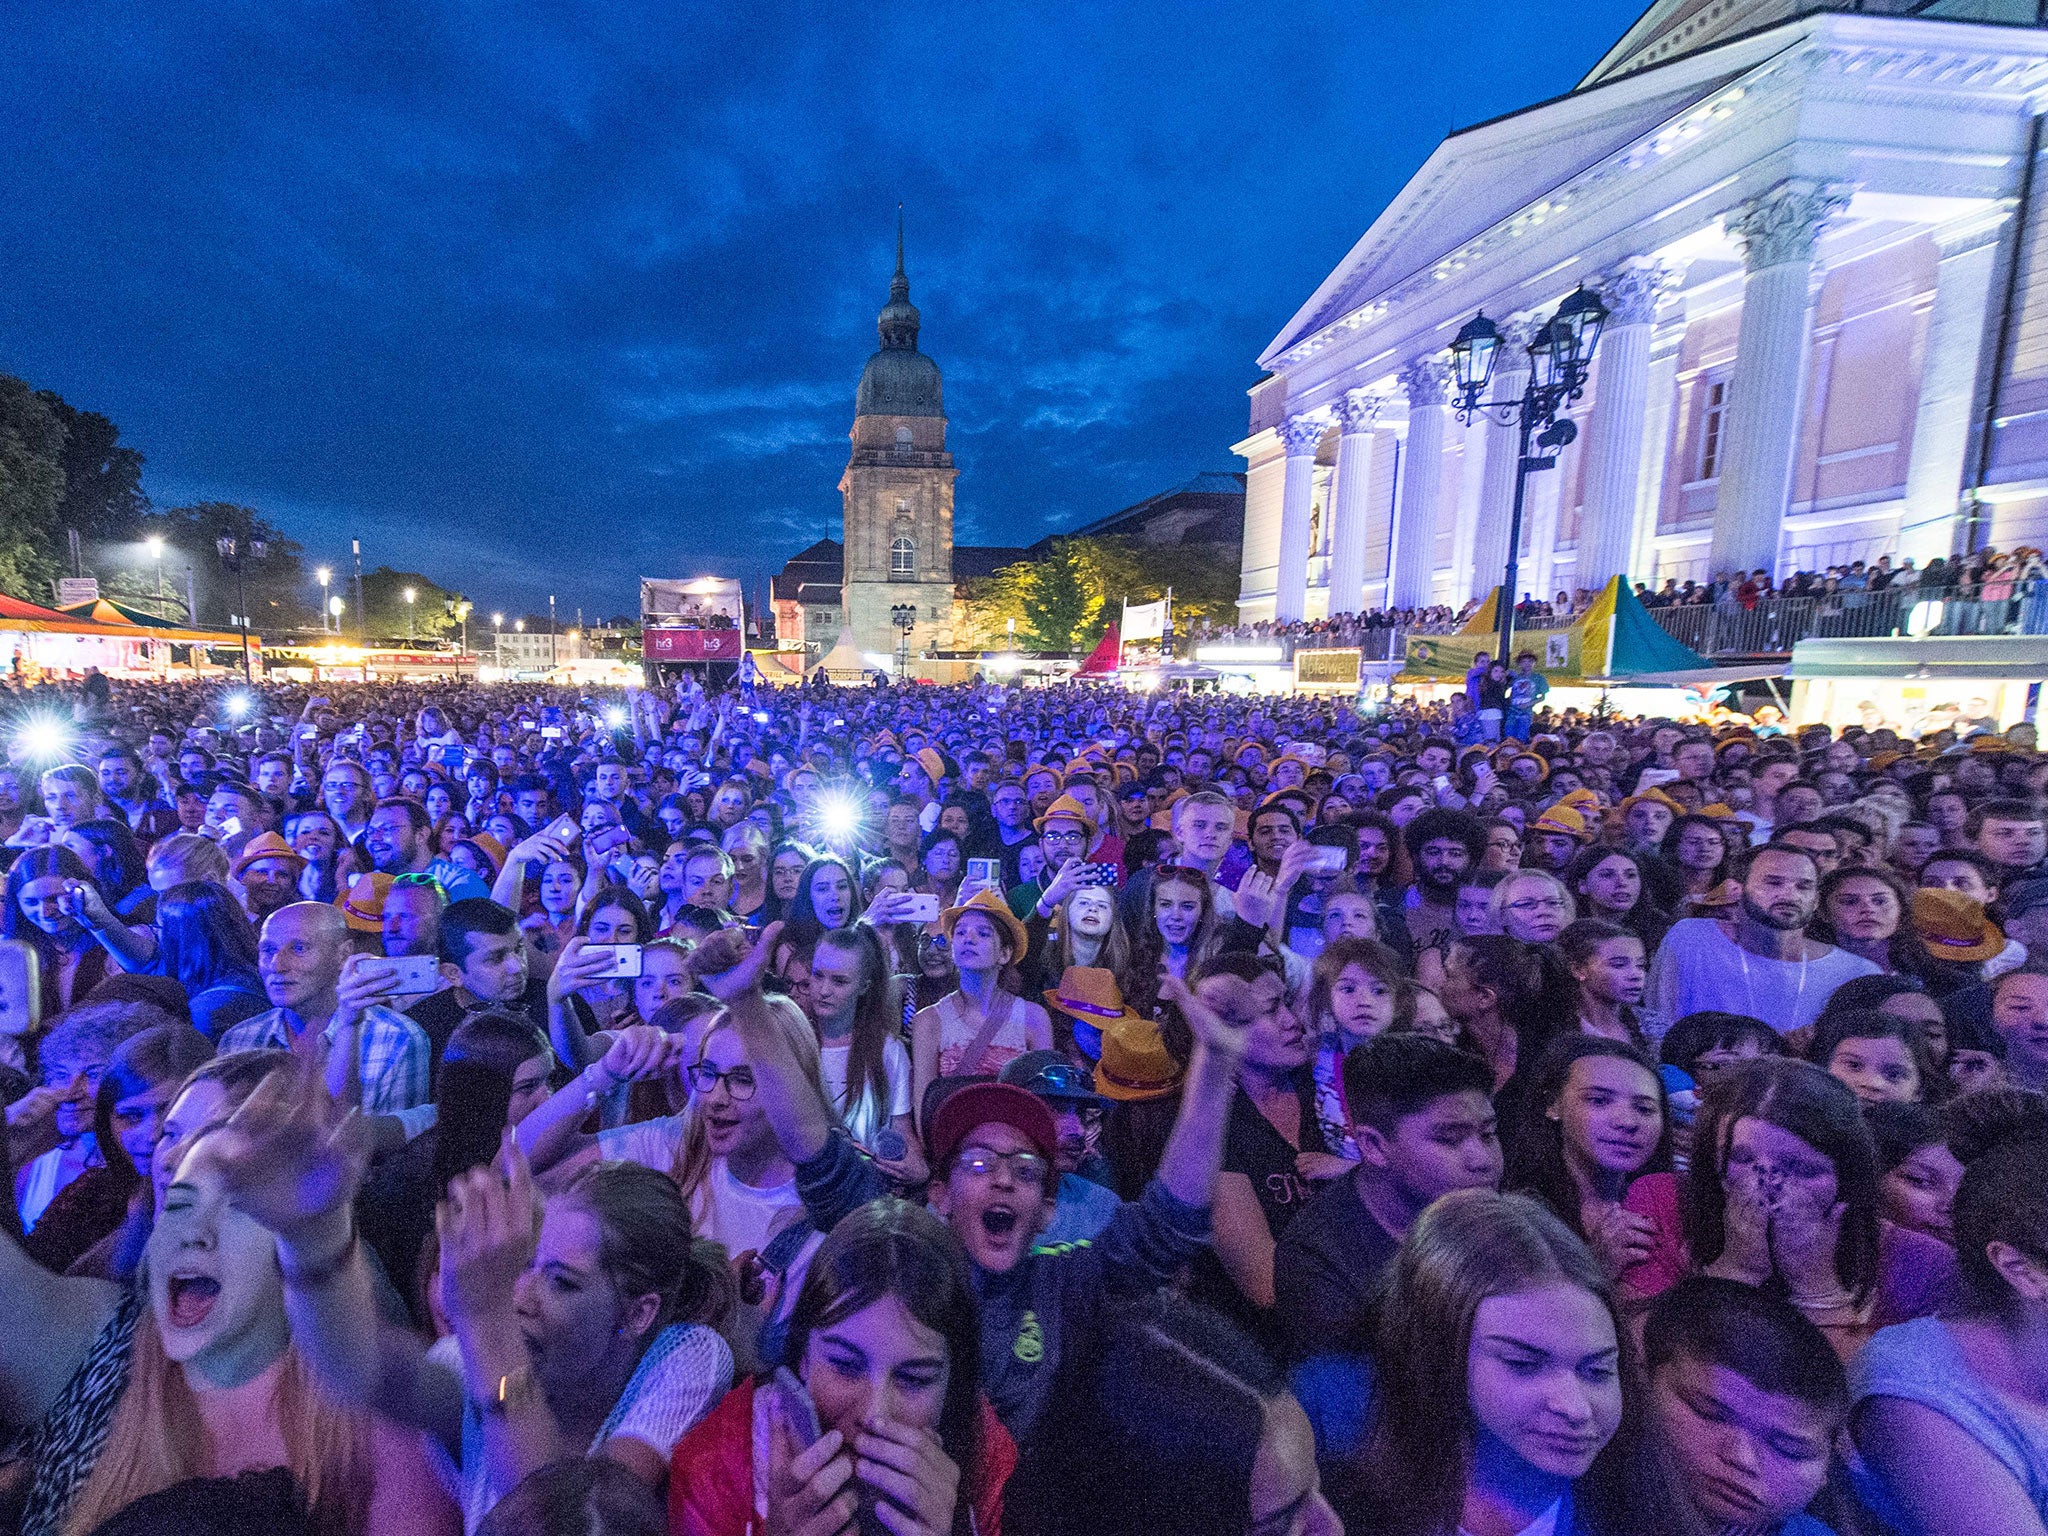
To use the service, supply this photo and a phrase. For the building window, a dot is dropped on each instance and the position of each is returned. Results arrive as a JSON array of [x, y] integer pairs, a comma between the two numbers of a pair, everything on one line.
[[903, 440], [902, 560], [1713, 424]]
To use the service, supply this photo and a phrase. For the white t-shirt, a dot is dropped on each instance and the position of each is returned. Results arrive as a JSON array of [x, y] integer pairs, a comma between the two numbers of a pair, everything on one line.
[[1698, 967], [865, 1118], [737, 1215]]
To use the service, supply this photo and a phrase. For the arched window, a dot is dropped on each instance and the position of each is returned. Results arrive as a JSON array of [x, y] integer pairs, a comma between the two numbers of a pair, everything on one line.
[[902, 560], [903, 439]]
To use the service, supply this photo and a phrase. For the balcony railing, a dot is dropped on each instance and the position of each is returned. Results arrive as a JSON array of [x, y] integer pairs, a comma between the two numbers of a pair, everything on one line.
[[1775, 624]]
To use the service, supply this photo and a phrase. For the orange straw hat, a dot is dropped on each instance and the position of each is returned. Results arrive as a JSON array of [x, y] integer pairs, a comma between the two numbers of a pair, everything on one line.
[[1954, 927], [1135, 1064], [362, 904], [996, 910]]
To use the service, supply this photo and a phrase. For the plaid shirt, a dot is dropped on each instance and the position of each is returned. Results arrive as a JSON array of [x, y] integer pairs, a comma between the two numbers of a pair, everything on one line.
[[394, 1065]]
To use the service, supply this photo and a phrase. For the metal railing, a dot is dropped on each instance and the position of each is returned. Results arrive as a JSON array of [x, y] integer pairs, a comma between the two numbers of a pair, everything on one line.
[[1773, 625]]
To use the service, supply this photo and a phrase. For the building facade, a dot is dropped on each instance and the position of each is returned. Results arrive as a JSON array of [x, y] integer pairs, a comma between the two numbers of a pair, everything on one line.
[[1814, 226], [897, 490]]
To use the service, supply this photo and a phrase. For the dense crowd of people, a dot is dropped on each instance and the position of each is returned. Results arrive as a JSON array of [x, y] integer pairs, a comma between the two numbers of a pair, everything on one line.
[[924, 1110]]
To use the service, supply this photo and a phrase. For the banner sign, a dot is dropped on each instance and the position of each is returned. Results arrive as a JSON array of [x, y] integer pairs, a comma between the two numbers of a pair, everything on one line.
[[1145, 621], [72, 590], [692, 644], [1326, 669]]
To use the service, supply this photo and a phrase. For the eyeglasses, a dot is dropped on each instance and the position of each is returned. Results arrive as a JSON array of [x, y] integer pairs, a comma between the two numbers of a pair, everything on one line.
[[1537, 904], [1024, 1167], [739, 1081]]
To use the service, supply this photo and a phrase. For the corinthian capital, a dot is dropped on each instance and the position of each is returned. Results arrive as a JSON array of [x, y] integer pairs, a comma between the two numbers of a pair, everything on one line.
[[1633, 293], [1786, 223], [1302, 433], [1426, 381], [1359, 411]]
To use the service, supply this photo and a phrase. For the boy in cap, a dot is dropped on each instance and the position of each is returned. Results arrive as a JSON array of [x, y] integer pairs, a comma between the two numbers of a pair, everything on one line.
[[1086, 1200], [994, 1151]]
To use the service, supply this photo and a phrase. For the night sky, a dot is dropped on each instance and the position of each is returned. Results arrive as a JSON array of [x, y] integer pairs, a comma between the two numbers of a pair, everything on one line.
[[547, 297]]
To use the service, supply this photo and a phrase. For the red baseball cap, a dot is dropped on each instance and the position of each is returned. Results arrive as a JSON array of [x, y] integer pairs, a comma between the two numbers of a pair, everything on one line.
[[992, 1104]]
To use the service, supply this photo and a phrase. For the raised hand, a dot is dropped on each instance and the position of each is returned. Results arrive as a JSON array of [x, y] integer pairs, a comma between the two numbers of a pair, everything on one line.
[[581, 965], [289, 1157], [487, 1225], [730, 963], [809, 1492], [1220, 1015]]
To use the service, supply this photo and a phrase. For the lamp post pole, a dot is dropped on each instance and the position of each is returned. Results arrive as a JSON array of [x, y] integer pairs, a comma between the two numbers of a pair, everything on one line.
[[323, 576], [551, 630], [1561, 353], [904, 617], [235, 555]]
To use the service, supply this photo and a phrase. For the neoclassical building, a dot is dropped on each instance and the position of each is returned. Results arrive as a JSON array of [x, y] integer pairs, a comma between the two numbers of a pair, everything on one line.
[[1818, 231]]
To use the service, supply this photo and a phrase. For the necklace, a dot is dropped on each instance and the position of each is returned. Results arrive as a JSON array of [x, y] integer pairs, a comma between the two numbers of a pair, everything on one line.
[[1749, 986]]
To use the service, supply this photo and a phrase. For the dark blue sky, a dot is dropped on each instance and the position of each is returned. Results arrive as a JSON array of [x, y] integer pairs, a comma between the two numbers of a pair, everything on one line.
[[549, 296]]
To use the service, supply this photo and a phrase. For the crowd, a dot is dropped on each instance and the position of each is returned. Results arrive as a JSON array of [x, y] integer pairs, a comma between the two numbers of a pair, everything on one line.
[[971, 1110]]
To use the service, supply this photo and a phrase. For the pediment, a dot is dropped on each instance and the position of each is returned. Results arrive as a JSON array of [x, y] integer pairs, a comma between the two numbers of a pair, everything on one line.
[[1484, 176]]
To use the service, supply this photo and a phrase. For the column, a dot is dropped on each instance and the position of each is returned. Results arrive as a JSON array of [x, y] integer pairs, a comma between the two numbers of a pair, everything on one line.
[[1503, 456], [1540, 510], [1427, 383], [1300, 434], [1666, 342], [1614, 432], [1351, 500], [1465, 523], [1948, 384], [1778, 233]]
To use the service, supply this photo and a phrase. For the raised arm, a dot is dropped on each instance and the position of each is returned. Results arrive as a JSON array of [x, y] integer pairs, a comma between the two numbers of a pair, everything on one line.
[[135, 948], [1194, 1150], [292, 1161], [551, 1132], [573, 969], [51, 1323], [730, 964]]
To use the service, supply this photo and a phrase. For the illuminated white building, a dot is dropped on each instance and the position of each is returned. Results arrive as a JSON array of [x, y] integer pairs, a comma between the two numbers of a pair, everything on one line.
[[1815, 226]]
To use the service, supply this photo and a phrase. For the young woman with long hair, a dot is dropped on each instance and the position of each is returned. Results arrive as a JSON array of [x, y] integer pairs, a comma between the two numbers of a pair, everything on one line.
[[828, 896], [199, 938], [1782, 1192], [583, 996], [1597, 1151], [1085, 931], [884, 1342], [1492, 986], [193, 1372], [982, 1024], [1695, 848], [1177, 935], [585, 1324], [1607, 965], [108, 848], [316, 837], [1947, 1409], [1868, 910], [1506, 1392], [45, 904], [861, 1057], [1610, 885]]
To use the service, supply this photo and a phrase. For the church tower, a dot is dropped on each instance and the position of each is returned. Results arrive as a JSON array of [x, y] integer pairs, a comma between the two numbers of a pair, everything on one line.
[[898, 487]]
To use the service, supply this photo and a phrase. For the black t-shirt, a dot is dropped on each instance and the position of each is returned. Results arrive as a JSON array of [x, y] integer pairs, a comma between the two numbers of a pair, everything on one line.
[[439, 1014], [1325, 1269], [1253, 1148]]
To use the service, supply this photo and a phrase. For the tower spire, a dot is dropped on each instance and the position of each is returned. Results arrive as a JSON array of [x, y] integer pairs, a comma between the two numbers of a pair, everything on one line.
[[899, 285], [899, 316]]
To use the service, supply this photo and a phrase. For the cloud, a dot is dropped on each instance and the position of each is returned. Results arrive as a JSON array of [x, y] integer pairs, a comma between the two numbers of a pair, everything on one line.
[[545, 297]]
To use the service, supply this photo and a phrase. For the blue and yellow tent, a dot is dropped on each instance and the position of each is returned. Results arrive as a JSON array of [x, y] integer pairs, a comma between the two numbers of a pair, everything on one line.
[[1613, 641]]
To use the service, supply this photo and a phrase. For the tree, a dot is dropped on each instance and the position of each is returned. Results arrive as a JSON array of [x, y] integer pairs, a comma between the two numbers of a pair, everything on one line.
[[103, 497], [384, 600], [31, 491], [277, 584], [1058, 603]]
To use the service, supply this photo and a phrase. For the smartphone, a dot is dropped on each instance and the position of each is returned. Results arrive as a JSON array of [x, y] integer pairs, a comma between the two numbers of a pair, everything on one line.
[[1442, 781], [550, 732], [565, 831], [625, 958], [986, 871], [1100, 874], [451, 757], [21, 993], [1326, 861], [412, 974], [786, 1402], [922, 909], [230, 826]]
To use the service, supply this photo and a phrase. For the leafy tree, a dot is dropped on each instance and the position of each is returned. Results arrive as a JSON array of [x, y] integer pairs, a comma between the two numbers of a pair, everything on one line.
[[31, 491], [384, 592], [103, 496], [278, 584], [1058, 602]]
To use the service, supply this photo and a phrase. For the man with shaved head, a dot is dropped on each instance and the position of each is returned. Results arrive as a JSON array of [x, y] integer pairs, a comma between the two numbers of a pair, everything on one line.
[[322, 993]]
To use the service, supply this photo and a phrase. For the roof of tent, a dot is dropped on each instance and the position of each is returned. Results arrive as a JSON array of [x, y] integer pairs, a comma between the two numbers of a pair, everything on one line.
[[1104, 659], [118, 616]]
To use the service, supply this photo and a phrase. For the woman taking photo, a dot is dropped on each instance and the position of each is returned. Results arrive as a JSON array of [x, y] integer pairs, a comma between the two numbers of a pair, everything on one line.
[[885, 1347], [195, 1373], [980, 1026], [47, 894], [1597, 1152], [200, 939], [1782, 1192], [583, 1325], [584, 996], [1506, 1396], [110, 851]]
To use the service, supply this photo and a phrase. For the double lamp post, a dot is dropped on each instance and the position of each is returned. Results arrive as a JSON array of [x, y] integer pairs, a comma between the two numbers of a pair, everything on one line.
[[1561, 360]]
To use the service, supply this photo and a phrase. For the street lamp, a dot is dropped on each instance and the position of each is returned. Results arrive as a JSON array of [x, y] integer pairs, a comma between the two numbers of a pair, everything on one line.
[[155, 543], [323, 575], [235, 555], [904, 617], [337, 606], [411, 594], [458, 609], [1561, 358]]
